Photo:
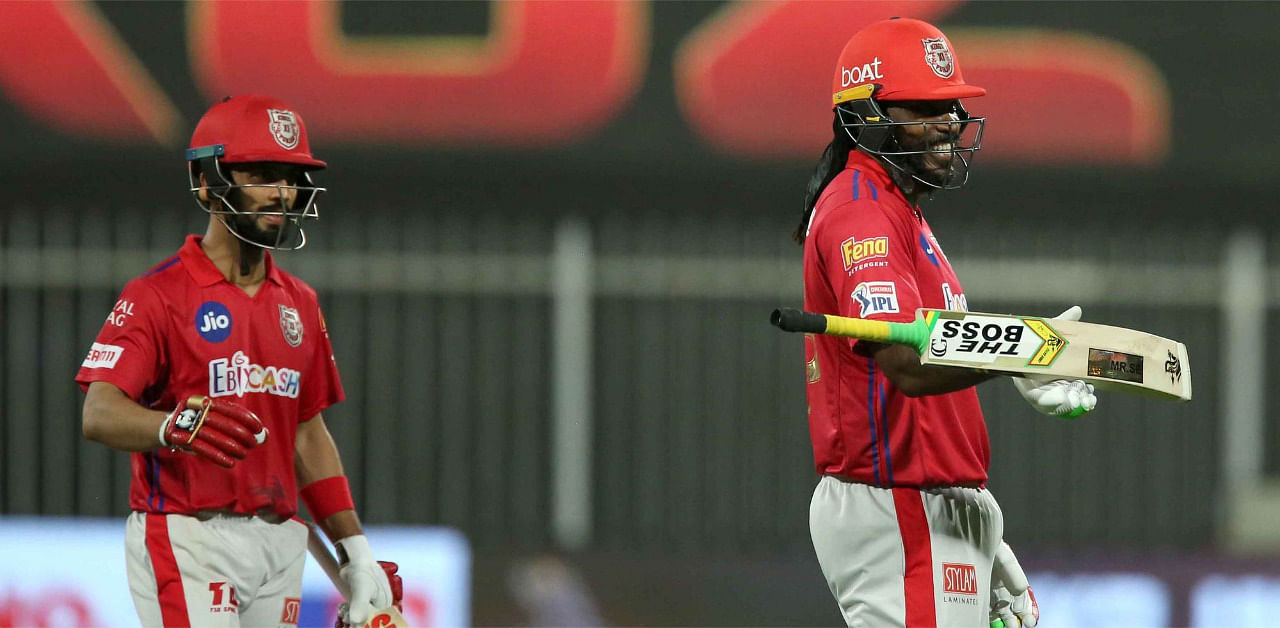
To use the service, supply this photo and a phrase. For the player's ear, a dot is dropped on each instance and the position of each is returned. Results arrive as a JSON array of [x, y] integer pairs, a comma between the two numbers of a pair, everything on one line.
[[204, 189]]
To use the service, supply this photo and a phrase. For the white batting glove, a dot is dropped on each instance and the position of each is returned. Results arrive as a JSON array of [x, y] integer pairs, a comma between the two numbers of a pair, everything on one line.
[[370, 590], [1012, 602], [1067, 399]]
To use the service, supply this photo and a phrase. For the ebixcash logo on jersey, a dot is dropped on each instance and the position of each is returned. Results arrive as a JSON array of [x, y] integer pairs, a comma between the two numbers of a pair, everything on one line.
[[982, 339], [238, 376]]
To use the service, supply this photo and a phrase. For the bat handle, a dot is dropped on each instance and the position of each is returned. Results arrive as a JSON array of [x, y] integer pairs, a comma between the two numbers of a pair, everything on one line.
[[791, 319], [327, 562], [914, 334]]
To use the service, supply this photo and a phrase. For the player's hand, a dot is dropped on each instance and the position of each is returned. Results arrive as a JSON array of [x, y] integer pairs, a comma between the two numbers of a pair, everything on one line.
[[1013, 604], [222, 431], [1067, 399], [368, 581]]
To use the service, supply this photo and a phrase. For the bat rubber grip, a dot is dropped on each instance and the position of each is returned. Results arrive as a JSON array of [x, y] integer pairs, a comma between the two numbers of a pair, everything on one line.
[[791, 319]]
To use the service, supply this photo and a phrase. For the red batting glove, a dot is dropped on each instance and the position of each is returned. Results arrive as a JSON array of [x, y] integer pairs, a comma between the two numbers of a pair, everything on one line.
[[397, 585], [220, 430]]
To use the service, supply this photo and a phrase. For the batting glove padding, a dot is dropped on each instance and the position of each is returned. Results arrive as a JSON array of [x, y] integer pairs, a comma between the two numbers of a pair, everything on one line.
[[366, 579], [1012, 601], [1060, 398], [220, 430]]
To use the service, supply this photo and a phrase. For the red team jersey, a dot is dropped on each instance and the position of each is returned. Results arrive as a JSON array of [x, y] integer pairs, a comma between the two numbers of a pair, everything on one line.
[[870, 254], [182, 329]]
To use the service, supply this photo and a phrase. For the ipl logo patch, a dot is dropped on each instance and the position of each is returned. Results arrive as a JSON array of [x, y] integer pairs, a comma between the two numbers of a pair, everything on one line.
[[939, 57], [291, 325], [284, 127]]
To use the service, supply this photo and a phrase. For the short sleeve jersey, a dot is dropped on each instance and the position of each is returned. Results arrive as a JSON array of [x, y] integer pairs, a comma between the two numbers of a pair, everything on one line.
[[870, 254], [182, 329]]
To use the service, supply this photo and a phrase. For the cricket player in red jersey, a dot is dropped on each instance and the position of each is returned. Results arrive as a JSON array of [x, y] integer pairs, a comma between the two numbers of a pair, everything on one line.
[[214, 369], [902, 524]]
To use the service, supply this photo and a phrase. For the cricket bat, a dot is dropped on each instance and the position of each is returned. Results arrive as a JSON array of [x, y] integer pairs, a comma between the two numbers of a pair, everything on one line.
[[386, 618], [1110, 358]]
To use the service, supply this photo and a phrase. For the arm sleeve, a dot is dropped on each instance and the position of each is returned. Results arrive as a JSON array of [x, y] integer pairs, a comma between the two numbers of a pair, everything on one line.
[[869, 260], [127, 351], [323, 386]]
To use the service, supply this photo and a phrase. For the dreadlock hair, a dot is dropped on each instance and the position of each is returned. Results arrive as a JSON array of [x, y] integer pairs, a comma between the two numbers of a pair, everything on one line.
[[832, 163]]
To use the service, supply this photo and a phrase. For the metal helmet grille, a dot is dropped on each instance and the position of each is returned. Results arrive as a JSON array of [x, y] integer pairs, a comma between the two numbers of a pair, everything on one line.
[[291, 234], [873, 132]]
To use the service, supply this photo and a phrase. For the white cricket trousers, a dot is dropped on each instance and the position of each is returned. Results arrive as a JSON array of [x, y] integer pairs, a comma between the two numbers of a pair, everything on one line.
[[223, 572], [906, 557]]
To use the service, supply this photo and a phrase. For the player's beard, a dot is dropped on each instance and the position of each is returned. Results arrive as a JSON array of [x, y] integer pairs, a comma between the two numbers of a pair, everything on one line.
[[940, 167], [245, 222]]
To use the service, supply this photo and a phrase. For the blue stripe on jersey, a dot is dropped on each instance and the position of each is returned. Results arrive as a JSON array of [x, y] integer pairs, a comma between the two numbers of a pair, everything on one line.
[[872, 186], [856, 175], [884, 429], [169, 262], [153, 472], [871, 417]]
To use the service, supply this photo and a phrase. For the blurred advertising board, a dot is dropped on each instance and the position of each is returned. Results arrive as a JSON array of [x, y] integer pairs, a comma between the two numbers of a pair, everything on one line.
[[70, 572]]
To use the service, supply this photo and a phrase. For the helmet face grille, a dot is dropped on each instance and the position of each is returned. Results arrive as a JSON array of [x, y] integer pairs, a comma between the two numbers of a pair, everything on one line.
[[875, 133], [223, 194]]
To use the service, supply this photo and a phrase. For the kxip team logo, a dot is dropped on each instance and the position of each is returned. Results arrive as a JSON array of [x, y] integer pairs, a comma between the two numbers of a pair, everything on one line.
[[291, 325], [284, 127], [938, 56]]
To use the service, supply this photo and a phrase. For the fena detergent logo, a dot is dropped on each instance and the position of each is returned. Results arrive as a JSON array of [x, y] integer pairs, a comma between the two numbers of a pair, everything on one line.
[[213, 321], [855, 251]]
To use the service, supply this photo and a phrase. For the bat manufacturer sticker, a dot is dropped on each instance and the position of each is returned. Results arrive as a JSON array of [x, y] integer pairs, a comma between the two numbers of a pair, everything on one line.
[[1124, 367], [1053, 343], [876, 297], [977, 338], [1173, 366]]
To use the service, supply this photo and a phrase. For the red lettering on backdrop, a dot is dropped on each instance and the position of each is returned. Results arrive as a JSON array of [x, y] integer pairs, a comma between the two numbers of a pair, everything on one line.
[[65, 66], [755, 81], [64, 607], [546, 74]]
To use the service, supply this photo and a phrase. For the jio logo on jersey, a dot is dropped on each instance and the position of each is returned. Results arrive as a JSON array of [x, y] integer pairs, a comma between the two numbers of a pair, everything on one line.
[[213, 321]]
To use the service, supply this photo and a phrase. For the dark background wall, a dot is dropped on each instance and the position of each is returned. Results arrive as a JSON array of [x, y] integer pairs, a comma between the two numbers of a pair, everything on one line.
[[434, 259]]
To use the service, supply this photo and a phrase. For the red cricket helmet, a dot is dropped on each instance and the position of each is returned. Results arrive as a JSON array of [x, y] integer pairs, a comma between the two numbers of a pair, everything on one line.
[[904, 59], [253, 129]]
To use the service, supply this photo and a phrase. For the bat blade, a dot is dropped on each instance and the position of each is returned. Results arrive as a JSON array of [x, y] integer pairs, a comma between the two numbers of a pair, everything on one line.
[[387, 618], [1110, 358]]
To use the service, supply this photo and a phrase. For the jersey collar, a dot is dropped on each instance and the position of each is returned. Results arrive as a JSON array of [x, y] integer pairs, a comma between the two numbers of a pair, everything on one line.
[[201, 268], [874, 170]]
